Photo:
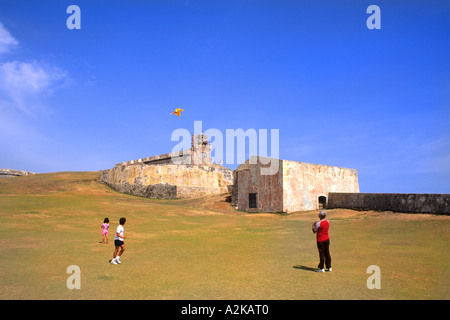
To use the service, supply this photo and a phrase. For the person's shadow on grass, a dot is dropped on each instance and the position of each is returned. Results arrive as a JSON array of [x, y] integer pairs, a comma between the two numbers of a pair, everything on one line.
[[304, 268]]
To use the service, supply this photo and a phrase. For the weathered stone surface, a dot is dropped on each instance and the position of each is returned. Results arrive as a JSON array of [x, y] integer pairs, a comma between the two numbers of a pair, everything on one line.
[[268, 188], [198, 154], [295, 185], [182, 174], [8, 173], [160, 191], [399, 202], [304, 183], [168, 181]]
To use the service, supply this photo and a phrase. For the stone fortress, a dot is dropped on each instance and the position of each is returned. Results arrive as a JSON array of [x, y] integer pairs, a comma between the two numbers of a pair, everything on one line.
[[190, 173], [294, 186], [184, 174]]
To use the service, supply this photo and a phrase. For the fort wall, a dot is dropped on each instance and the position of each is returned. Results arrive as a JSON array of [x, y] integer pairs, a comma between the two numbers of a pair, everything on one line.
[[168, 181], [304, 183], [295, 186], [266, 190], [399, 202]]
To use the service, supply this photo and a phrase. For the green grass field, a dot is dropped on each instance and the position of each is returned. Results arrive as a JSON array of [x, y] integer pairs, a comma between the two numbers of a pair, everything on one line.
[[204, 249]]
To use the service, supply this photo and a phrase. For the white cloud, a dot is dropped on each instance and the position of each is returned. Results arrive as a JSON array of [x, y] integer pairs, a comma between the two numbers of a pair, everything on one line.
[[7, 42], [24, 87], [23, 83]]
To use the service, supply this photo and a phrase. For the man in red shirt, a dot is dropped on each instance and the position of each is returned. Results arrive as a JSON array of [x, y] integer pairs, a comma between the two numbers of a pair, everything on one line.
[[323, 241]]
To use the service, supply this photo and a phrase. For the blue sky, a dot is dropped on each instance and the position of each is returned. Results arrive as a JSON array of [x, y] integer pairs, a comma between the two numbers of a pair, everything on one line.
[[340, 94]]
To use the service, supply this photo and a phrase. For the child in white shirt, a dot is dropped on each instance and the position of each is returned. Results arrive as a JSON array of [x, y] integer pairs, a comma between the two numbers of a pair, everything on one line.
[[119, 242]]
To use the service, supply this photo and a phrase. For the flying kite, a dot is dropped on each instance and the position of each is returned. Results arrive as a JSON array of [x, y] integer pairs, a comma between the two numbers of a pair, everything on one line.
[[177, 111]]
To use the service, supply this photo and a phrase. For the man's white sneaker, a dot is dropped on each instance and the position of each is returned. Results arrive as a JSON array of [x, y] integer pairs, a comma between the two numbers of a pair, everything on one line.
[[329, 270], [118, 260], [320, 270], [113, 261]]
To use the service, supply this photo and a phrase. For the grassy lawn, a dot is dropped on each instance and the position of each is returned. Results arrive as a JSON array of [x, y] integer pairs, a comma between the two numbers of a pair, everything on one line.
[[204, 249]]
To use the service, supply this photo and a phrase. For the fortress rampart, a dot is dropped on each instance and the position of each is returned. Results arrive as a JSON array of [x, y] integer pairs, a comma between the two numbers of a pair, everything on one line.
[[294, 186], [184, 174], [168, 181], [400, 202]]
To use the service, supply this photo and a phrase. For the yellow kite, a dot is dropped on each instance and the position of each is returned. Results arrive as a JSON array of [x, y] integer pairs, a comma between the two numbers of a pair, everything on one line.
[[177, 111]]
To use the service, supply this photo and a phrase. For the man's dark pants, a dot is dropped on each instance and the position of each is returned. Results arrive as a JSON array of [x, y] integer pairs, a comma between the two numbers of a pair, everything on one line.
[[324, 253]]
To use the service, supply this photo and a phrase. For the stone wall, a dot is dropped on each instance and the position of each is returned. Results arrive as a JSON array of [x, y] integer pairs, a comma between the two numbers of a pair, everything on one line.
[[303, 183], [198, 154], [168, 181], [295, 186], [399, 202], [268, 188], [9, 173]]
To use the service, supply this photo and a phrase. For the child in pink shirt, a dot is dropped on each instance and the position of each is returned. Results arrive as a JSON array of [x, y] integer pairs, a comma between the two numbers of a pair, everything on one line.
[[104, 228]]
